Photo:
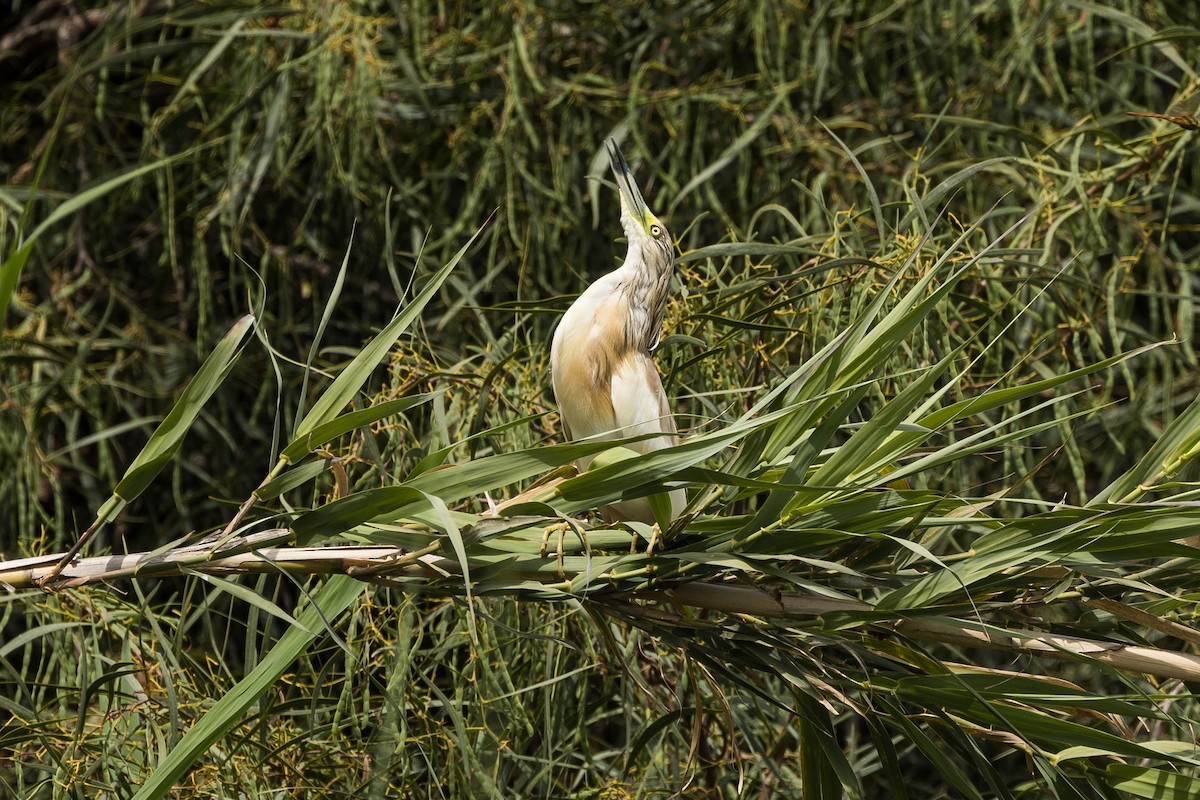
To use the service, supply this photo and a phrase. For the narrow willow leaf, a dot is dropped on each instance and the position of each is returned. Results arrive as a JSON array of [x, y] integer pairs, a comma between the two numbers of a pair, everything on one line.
[[167, 437], [327, 602], [894, 328], [1101, 529], [888, 757]]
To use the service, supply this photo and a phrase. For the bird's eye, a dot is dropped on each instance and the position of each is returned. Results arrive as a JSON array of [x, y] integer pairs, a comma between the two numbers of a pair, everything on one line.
[[655, 230]]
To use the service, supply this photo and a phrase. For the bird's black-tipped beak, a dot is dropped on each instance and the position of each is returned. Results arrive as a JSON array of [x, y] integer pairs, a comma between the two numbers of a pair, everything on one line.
[[631, 195]]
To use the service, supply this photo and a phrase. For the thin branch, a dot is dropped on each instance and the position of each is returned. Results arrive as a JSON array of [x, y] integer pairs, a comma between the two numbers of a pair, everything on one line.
[[253, 553], [944, 630]]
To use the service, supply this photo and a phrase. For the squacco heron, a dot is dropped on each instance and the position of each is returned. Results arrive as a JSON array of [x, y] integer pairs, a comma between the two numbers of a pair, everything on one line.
[[604, 377]]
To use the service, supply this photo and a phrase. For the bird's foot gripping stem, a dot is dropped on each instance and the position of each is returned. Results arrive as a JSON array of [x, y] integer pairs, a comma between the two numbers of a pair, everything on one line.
[[559, 530], [654, 540]]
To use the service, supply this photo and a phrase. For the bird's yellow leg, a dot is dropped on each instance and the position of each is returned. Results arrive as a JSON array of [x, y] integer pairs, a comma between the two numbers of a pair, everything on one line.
[[660, 505], [655, 539], [558, 530]]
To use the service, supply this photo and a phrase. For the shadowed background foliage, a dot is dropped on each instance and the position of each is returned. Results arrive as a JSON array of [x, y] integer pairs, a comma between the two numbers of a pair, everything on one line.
[[800, 153]]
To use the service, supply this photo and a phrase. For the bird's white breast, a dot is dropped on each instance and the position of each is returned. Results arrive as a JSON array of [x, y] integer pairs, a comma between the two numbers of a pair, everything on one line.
[[606, 384], [603, 382]]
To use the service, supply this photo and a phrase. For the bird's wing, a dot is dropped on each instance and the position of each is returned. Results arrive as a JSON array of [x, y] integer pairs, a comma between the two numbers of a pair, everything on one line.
[[580, 389], [640, 404]]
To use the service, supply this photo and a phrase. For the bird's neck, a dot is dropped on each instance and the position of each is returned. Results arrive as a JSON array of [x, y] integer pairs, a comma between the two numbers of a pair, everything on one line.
[[644, 289]]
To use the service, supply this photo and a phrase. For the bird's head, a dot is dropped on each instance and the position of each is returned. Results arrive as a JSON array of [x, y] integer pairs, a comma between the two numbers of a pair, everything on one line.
[[644, 231]]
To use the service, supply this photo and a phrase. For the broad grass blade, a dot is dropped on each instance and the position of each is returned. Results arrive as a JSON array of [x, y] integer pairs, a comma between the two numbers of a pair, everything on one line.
[[326, 431], [1154, 784], [167, 437], [345, 514]]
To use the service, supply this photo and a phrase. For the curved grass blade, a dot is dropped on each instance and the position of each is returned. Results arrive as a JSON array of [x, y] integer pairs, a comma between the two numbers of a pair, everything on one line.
[[247, 595], [741, 143], [326, 314], [169, 434], [10, 270], [872, 195], [945, 187]]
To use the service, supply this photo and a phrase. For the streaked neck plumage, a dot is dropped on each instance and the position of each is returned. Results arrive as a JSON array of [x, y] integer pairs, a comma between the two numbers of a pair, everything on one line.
[[645, 282]]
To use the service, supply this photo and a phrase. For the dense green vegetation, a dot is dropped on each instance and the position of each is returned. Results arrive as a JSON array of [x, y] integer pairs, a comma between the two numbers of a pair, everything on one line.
[[931, 348]]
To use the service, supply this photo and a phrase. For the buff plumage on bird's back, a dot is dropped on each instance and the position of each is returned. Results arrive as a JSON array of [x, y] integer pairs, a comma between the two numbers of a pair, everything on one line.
[[605, 380]]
